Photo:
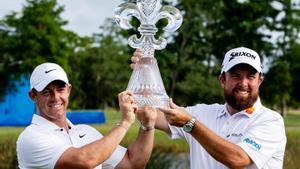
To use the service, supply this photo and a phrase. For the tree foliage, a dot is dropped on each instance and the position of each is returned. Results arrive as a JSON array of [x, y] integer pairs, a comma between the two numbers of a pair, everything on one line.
[[281, 84], [101, 71], [34, 36]]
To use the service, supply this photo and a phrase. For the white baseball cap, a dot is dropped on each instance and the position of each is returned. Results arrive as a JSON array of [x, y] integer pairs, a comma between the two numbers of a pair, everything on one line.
[[241, 55], [46, 73]]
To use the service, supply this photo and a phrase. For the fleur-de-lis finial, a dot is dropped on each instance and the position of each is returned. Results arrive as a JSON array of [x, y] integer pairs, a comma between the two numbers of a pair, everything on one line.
[[148, 12], [146, 82]]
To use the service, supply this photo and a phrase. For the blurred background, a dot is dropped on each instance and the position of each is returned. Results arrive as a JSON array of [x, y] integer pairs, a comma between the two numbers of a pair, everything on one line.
[[83, 38]]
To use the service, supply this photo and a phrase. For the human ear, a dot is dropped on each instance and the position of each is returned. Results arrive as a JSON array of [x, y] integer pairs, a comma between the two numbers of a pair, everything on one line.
[[32, 95], [261, 79], [69, 88], [222, 80]]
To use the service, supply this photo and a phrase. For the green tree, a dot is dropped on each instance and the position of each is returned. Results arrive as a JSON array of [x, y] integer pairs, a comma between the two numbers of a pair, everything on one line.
[[294, 70], [34, 36], [280, 84], [277, 85], [101, 70], [5, 60]]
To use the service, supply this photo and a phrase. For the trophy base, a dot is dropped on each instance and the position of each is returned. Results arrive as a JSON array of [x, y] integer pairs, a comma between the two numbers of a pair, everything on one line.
[[151, 100]]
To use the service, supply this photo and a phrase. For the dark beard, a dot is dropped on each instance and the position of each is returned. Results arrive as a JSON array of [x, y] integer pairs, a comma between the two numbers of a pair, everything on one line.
[[239, 103]]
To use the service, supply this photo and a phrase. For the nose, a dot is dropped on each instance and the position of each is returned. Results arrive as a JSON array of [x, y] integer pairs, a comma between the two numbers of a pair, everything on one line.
[[55, 95], [243, 81]]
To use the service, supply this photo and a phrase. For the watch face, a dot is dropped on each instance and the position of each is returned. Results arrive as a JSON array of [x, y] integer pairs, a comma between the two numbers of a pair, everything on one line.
[[187, 128]]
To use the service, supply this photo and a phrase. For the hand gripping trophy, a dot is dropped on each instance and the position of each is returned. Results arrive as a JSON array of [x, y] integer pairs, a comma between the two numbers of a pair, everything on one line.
[[145, 81]]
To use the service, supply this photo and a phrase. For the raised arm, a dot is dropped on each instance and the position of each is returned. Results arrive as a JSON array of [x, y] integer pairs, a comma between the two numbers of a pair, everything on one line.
[[95, 153], [220, 149], [139, 152]]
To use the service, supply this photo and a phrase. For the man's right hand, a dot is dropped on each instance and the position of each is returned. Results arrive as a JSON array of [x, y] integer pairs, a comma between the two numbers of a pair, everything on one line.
[[128, 107], [136, 57]]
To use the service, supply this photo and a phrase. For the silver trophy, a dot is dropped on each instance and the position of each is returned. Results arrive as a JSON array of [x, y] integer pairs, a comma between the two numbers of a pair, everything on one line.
[[145, 81]]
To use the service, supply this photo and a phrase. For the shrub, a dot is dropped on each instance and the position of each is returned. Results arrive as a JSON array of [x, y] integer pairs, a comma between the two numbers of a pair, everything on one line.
[[8, 156]]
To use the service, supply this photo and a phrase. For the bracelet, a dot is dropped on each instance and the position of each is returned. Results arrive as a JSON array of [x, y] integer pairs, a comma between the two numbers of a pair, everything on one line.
[[147, 128]]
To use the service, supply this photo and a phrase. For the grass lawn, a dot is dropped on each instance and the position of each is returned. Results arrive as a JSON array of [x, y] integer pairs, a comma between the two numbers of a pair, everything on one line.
[[292, 127]]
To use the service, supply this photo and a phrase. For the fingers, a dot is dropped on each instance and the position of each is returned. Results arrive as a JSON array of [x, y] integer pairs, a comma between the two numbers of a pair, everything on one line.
[[166, 111], [132, 65], [128, 107], [136, 57], [147, 116], [147, 113], [175, 115], [172, 104], [127, 102], [126, 96], [138, 53]]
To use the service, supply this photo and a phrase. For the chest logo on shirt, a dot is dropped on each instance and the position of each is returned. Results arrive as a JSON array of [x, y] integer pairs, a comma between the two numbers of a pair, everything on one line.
[[252, 143], [235, 135], [81, 135]]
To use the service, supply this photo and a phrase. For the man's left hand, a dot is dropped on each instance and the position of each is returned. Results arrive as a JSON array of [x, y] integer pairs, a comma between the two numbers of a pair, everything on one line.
[[175, 115], [147, 116]]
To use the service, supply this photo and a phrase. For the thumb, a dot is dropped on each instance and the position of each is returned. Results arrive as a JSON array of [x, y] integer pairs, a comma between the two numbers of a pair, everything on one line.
[[172, 104]]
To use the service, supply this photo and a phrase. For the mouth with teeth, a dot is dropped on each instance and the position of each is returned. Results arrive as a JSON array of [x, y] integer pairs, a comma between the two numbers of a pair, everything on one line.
[[56, 105], [242, 93]]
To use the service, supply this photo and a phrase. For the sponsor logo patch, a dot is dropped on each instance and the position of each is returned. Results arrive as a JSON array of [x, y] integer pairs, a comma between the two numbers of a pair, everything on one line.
[[237, 54], [250, 110], [252, 143]]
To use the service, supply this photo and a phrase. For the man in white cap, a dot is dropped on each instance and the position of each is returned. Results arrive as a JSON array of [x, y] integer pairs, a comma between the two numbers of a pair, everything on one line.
[[241, 133], [52, 141]]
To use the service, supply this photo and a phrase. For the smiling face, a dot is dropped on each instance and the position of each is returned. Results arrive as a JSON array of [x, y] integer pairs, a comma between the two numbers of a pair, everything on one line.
[[52, 102], [241, 86]]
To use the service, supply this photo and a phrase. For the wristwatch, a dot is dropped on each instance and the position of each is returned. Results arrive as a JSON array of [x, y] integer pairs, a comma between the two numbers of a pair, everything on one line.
[[189, 125]]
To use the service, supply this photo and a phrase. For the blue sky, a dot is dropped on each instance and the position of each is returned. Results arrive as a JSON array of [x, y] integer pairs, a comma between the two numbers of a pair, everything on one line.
[[84, 16]]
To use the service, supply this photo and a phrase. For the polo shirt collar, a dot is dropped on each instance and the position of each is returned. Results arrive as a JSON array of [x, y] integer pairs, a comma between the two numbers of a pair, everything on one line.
[[252, 110], [248, 112], [224, 112], [41, 121]]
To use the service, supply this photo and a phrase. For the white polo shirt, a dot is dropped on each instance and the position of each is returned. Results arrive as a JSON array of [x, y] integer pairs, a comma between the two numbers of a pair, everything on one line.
[[42, 143], [260, 133]]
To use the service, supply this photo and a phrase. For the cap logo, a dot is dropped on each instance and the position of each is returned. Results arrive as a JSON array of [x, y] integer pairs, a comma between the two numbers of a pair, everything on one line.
[[47, 71], [237, 54]]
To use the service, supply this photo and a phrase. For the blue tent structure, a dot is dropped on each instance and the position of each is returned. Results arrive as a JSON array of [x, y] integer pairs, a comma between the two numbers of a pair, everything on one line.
[[16, 109]]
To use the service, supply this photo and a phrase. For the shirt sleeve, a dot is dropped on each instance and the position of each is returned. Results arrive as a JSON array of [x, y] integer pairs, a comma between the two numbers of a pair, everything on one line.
[[265, 141], [38, 151], [115, 158]]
